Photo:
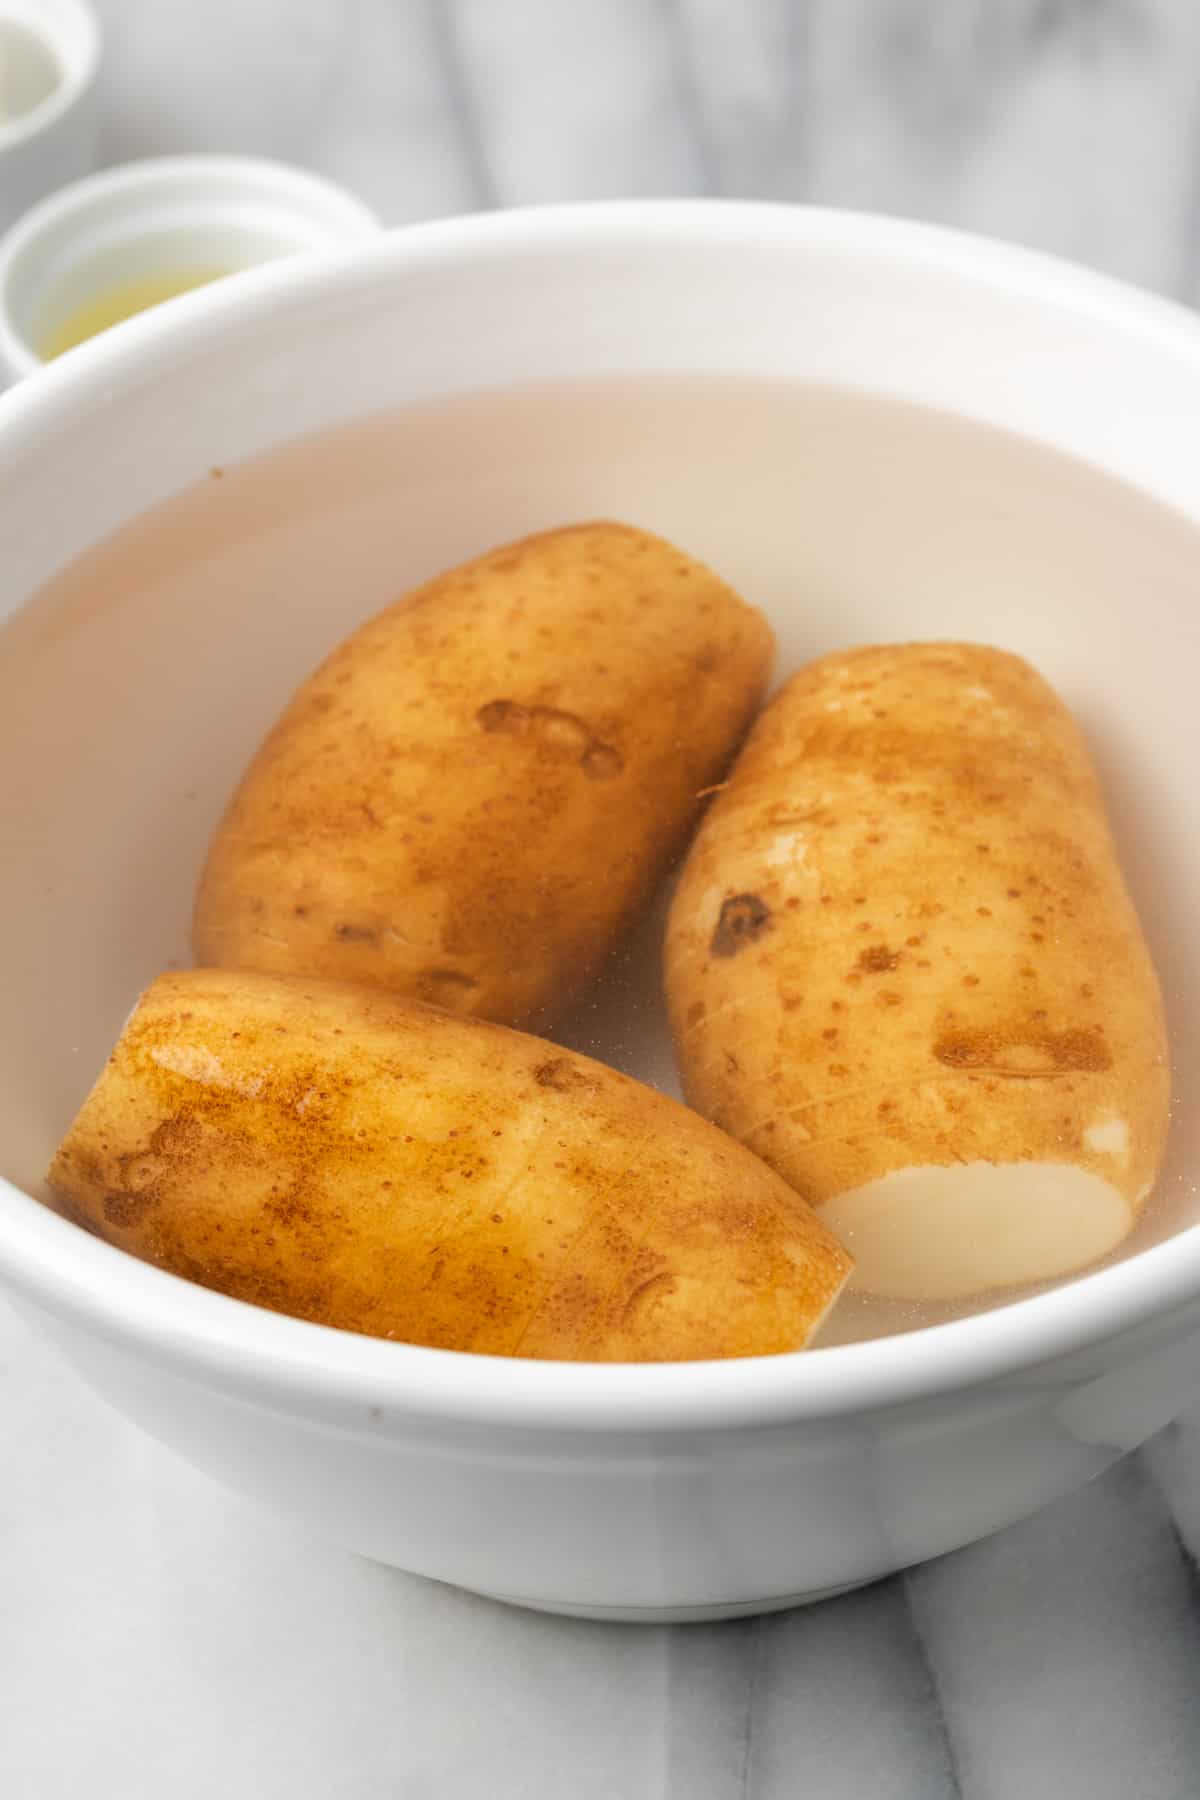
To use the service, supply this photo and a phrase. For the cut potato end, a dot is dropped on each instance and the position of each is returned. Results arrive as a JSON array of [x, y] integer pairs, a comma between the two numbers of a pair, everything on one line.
[[937, 1233]]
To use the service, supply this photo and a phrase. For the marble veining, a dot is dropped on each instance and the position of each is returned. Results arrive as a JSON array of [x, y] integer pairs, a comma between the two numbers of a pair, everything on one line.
[[160, 1638], [1072, 125]]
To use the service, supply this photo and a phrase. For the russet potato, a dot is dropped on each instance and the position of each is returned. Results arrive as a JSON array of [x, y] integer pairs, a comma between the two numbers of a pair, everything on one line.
[[368, 1162], [903, 967], [472, 797]]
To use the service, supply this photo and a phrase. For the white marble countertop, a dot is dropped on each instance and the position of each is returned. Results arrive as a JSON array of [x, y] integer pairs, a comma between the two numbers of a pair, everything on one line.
[[159, 1638]]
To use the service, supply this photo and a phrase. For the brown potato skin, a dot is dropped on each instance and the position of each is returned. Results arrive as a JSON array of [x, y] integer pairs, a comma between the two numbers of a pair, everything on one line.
[[364, 1161], [952, 970], [476, 792]]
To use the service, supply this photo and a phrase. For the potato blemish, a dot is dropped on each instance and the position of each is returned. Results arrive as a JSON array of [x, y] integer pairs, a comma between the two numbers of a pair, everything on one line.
[[562, 734], [742, 919], [1026, 1050], [878, 960]]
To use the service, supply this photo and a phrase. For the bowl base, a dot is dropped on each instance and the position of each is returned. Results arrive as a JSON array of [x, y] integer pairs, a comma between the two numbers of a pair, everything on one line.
[[677, 1615]]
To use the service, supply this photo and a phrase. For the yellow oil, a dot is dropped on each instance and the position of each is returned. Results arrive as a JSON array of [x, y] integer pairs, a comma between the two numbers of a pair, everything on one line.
[[110, 305]]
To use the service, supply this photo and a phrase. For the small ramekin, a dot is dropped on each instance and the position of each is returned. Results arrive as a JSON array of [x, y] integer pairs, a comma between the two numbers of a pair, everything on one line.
[[143, 218], [55, 141]]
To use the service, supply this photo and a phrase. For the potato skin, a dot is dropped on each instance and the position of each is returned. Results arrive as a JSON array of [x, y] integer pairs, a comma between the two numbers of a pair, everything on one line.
[[475, 793], [371, 1163], [902, 936]]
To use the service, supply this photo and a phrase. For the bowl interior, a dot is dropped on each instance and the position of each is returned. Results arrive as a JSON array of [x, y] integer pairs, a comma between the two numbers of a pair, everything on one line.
[[136, 685], [138, 680]]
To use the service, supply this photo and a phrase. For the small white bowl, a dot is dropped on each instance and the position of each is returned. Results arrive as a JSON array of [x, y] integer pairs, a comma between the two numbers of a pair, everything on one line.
[[654, 1491], [53, 140], [142, 220]]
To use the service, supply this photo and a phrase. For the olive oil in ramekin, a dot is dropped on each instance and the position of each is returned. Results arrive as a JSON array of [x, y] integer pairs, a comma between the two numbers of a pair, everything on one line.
[[121, 300]]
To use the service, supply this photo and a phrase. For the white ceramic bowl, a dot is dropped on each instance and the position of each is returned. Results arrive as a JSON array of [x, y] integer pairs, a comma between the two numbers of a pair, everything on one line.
[[53, 141], [637, 1492]]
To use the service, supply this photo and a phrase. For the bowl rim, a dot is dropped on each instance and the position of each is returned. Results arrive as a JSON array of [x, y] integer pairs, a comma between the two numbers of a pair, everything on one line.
[[290, 1364]]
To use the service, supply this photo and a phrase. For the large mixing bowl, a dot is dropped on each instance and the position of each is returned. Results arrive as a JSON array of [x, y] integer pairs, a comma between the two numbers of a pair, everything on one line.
[[636, 1492]]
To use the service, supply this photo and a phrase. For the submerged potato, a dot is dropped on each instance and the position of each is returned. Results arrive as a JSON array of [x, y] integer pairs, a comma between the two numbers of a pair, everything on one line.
[[471, 798], [903, 968], [371, 1163]]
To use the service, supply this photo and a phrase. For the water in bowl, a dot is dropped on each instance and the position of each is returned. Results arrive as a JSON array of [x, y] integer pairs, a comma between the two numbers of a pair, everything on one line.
[[137, 684]]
